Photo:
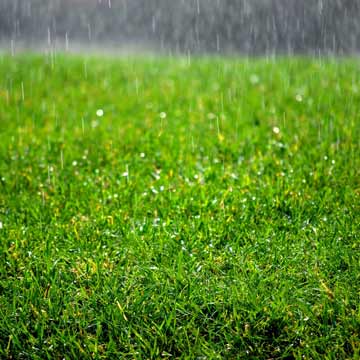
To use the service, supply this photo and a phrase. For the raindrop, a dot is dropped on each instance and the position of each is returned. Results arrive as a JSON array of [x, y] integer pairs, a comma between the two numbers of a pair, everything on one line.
[[66, 42], [62, 159], [22, 92], [12, 45], [100, 112], [83, 125], [153, 25], [89, 31], [298, 98], [188, 58], [94, 124], [49, 36], [126, 173], [276, 130]]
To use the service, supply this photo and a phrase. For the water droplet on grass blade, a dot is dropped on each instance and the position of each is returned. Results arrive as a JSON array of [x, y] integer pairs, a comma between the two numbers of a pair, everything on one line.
[[298, 98], [100, 112], [94, 124], [276, 130]]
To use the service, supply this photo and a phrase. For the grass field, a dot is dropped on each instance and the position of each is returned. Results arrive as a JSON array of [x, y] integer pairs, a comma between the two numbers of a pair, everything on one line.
[[179, 208]]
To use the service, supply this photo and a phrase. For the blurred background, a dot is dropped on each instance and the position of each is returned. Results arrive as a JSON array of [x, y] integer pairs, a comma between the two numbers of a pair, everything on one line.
[[254, 27]]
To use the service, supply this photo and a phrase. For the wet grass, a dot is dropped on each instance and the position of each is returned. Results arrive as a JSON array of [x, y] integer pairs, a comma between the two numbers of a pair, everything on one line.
[[211, 211]]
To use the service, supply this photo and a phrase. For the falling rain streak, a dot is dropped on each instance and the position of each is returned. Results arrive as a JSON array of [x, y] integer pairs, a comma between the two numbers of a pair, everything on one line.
[[195, 26]]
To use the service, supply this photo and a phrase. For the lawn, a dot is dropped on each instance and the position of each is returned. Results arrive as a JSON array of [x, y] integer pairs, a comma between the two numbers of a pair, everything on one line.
[[193, 208]]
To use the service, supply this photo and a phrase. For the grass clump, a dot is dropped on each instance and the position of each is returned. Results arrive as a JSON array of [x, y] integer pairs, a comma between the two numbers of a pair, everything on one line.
[[161, 208]]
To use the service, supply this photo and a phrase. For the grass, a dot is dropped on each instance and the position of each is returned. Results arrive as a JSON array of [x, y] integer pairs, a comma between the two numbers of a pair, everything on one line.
[[212, 212]]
